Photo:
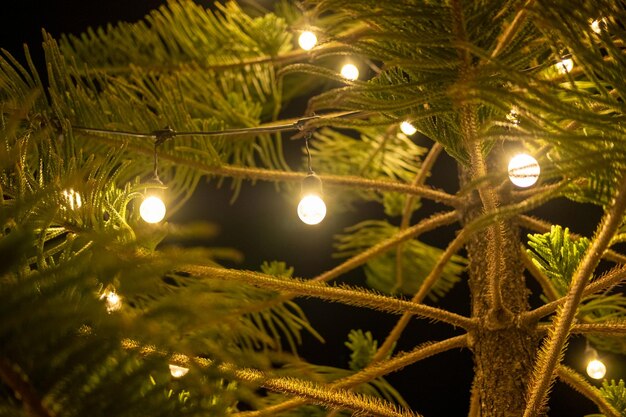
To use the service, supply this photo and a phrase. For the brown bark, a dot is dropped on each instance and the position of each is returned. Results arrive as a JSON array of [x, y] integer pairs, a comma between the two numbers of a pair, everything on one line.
[[503, 350]]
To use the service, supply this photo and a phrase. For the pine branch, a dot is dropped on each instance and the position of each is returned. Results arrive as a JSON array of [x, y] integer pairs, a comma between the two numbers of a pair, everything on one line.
[[578, 383], [23, 390], [347, 296], [610, 279], [407, 211], [419, 296], [248, 173], [615, 328], [370, 373], [515, 26], [542, 226], [551, 353]]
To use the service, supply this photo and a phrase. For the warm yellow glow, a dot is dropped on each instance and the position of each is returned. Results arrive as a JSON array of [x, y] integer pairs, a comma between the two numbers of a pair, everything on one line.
[[407, 128], [513, 117], [307, 40], [523, 170], [178, 371], [311, 209], [565, 66], [112, 300], [350, 72], [152, 210], [72, 198], [596, 369]]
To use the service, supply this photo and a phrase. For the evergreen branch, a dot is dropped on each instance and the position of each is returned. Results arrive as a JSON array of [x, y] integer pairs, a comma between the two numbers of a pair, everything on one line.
[[321, 290], [550, 354], [512, 29], [542, 226], [23, 390], [277, 175], [373, 371], [610, 279], [607, 328], [425, 225], [578, 383], [420, 178], [429, 281], [540, 277]]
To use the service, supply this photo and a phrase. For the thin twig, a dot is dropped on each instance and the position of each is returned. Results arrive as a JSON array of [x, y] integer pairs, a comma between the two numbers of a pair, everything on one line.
[[23, 390], [578, 383], [371, 372]]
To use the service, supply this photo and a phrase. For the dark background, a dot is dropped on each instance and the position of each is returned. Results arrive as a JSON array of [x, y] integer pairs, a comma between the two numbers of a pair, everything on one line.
[[263, 225]]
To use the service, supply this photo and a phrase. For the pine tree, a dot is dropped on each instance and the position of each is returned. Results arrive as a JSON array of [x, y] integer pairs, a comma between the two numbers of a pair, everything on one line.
[[103, 316]]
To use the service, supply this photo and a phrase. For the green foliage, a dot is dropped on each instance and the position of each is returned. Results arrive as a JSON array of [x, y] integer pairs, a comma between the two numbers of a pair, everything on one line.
[[363, 348], [377, 153], [615, 394], [417, 260], [557, 255]]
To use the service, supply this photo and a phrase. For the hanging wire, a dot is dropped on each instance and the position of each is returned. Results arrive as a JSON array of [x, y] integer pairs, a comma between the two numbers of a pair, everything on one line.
[[156, 162], [307, 137]]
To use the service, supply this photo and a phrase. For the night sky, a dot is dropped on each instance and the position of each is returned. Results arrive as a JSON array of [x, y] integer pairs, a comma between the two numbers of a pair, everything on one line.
[[263, 225]]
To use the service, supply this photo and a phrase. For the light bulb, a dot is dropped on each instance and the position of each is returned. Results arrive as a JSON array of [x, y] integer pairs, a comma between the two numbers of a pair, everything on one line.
[[350, 72], [523, 170], [73, 198], [565, 66], [596, 369], [407, 128], [112, 300], [307, 40], [152, 209], [311, 209], [595, 26], [178, 371], [513, 117]]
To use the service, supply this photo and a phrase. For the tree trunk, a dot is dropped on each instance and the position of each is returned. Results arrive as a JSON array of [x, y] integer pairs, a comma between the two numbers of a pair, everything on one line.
[[503, 351]]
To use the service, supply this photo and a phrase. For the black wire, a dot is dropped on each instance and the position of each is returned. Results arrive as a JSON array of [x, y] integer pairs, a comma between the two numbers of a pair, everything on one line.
[[156, 162]]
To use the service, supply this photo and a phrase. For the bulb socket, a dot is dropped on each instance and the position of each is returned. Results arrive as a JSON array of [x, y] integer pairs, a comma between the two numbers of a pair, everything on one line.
[[311, 184]]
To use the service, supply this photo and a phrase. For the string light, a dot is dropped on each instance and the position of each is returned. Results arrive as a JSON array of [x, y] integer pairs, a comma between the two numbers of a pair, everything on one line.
[[178, 371], [407, 128], [595, 368], [72, 198], [112, 300], [513, 117], [523, 170], [311, 209], [350, 72], [152, 208], [565, 66], [307, 40], [598, 25]]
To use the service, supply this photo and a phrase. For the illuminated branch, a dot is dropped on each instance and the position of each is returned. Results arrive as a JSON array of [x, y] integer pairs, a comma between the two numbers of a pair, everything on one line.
[[23, 390], [578, 383], [347, 296], [550, 355]]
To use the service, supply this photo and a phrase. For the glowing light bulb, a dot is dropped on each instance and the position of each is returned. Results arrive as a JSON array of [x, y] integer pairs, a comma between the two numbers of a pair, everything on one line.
[[350, 72], [73, 198], [523, 170], [565, 66], [307, 40], [513, 117], [595, 26], [152, 210], [407, 128], [112, 300], [312, 209], [596, 369], [178, 371]]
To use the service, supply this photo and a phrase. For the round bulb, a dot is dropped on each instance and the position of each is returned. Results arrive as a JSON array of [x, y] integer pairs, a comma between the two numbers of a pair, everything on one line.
[[178, 371], [523, 170], [311, 209], [307, 40], [350, 72], [407, 128], [596, 369], [565, 66], [152, 210], [112, 300]]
